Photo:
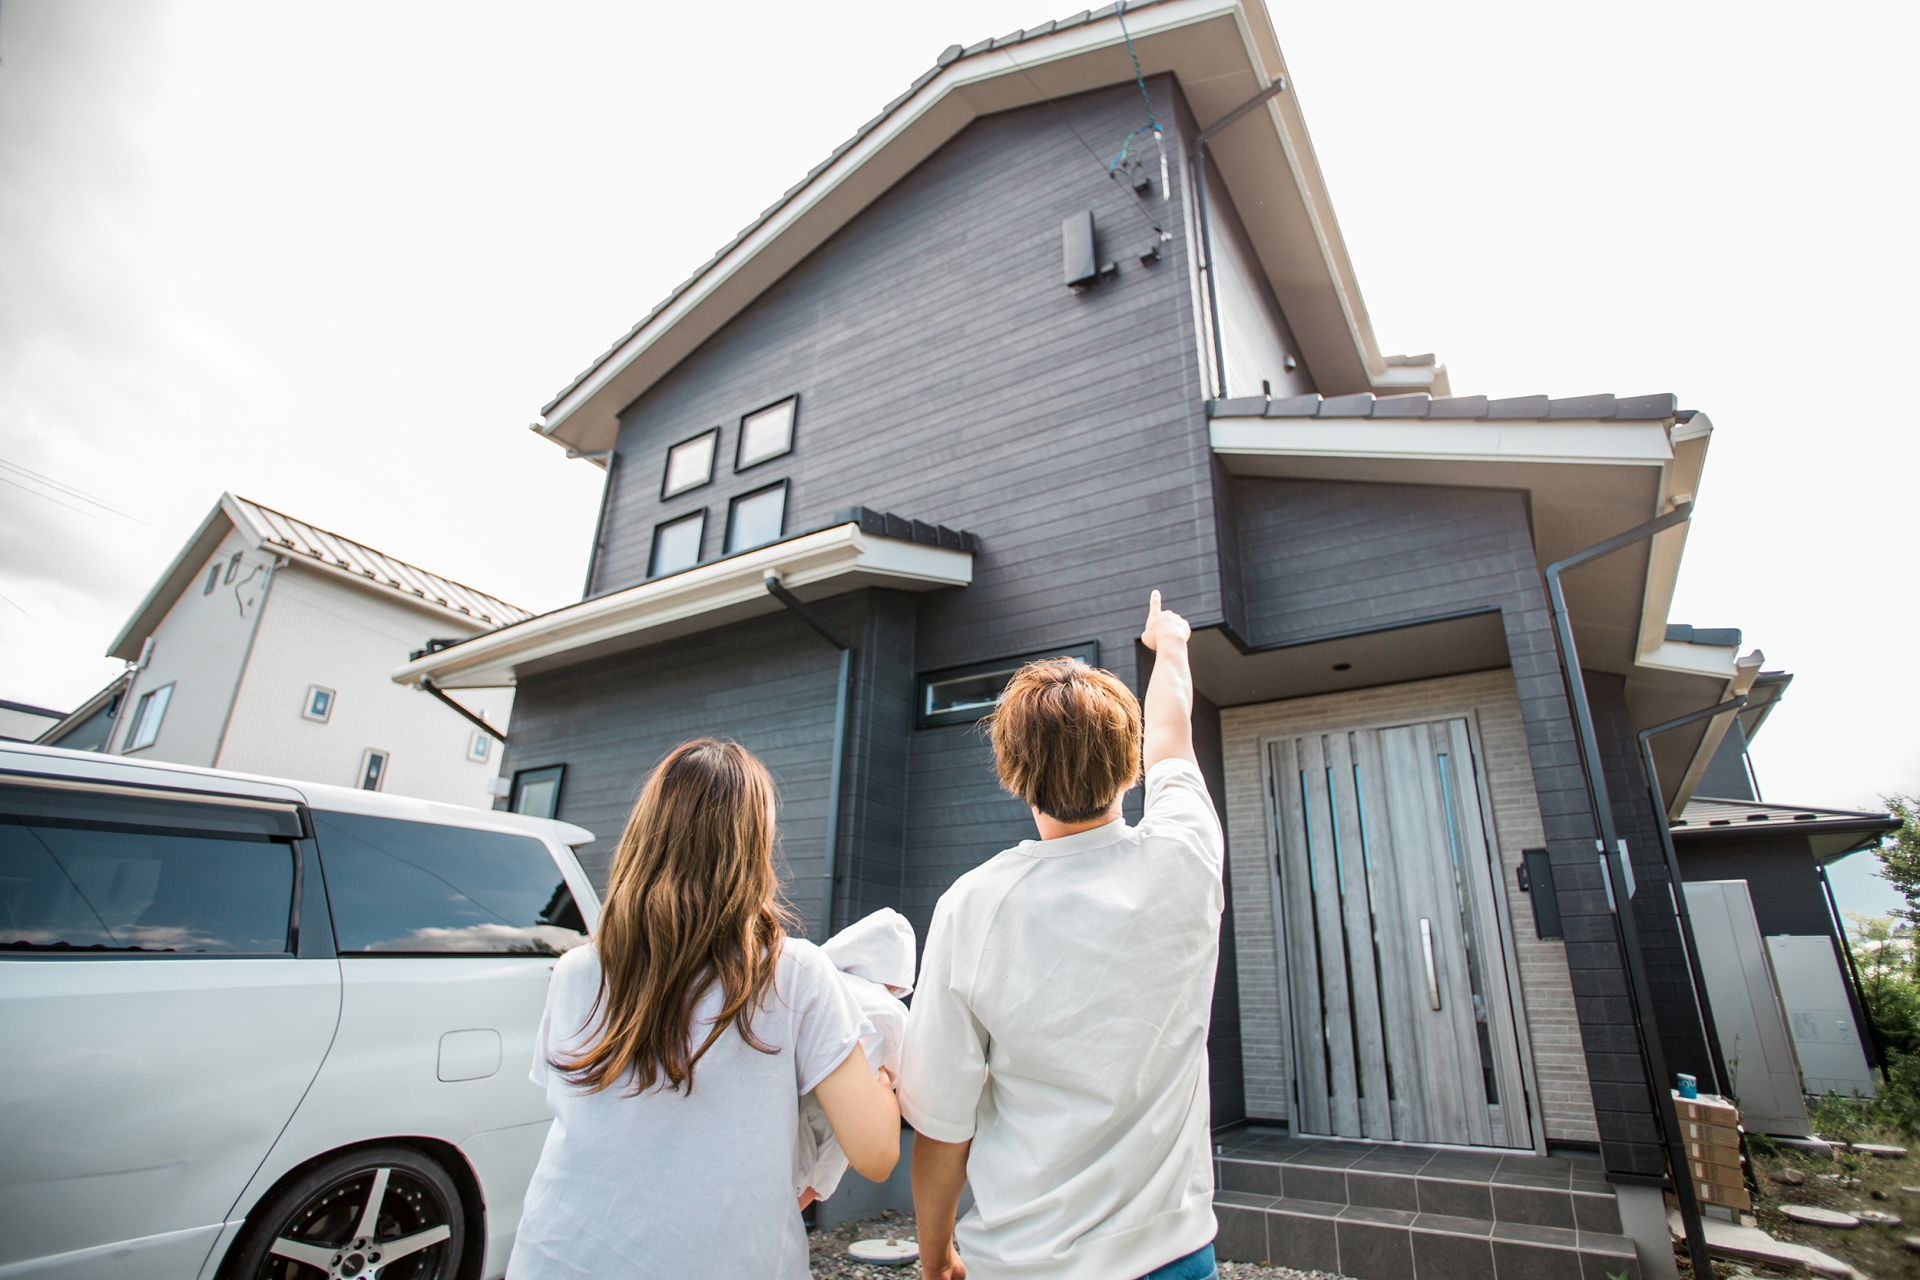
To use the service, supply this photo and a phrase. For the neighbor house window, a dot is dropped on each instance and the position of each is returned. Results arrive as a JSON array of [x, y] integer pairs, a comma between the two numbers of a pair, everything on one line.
[[479, 746], [757, 518], [690, 463], [766, 433], [233, 567], [319, 703], [373, 770], [536, 792], [213, 578], [676, 544], [147, 714], [962, 695]]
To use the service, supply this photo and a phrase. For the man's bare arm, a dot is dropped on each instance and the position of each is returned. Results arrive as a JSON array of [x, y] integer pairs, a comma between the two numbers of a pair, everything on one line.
[[939, 1171], [1169, 704]]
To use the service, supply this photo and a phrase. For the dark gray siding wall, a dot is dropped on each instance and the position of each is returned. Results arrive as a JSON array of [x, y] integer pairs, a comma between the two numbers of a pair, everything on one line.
[[879, 759], [1781, 876], [1634, 816], [1325, 559], [946, 373], [1226, 1066]]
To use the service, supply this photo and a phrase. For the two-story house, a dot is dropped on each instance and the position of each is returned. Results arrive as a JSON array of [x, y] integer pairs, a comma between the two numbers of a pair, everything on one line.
[[1045, 335], [265, 647]]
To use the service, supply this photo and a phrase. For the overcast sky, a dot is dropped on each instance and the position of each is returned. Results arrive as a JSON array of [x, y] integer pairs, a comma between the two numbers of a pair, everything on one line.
[[335, 257]]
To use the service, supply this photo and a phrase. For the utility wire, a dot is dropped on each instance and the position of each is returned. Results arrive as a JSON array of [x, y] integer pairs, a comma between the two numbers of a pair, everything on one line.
[[50, 498], [1138, 204], [72, 492]]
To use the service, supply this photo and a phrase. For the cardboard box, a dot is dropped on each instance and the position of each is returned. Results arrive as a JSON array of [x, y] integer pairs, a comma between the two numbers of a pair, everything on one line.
[[1724, 1174], [1732, 1197], [1692, 1131], [1707, 1109]]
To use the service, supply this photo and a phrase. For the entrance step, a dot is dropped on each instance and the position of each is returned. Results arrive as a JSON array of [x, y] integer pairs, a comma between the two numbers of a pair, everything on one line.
[[1389, 1212]]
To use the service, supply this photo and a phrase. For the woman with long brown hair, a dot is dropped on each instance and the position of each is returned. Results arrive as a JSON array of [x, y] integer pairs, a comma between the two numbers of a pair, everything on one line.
[[675, 1049]]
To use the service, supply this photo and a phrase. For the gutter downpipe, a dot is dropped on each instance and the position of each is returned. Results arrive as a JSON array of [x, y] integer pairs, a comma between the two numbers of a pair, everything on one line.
[[1612, 848], [1199, 168], [1714, 1052], [836, 771], [477, 721], [610, 458]]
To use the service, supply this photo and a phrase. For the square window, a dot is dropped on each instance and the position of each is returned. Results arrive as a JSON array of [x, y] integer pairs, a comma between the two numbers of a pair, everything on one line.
[[536, 792], [233, 567], [757, 518], [676, 544], [963, 695], [690, 463], [319, 704], [479, 746], [766, 433], [147, 714], [373, 770]]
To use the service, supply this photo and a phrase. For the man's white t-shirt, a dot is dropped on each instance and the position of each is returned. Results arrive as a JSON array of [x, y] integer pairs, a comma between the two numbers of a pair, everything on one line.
[[685, 1184], [1061, 1025]]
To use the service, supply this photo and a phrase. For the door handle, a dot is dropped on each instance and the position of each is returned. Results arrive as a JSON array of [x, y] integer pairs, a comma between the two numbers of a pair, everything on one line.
[[1433, 980]]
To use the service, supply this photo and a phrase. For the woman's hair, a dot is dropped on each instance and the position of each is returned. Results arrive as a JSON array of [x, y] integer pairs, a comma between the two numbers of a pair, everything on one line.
[[692, 901], [1066, 738]]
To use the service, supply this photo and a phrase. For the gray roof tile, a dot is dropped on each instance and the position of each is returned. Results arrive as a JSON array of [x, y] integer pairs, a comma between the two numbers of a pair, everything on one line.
[[1681, 633], [1294, 407], [1358, 406], [1518, 407], [1581, 407], [1245, 407], [1413, 406], [1646, 407], [1458, 407]]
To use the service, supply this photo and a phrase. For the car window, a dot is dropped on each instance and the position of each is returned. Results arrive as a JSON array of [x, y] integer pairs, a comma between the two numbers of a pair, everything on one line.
[[419, 888], [66, 886]]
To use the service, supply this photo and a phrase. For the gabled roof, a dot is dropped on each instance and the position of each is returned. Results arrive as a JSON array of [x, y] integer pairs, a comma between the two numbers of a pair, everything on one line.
[[1222, 52], [1833, 832], [303, 543]]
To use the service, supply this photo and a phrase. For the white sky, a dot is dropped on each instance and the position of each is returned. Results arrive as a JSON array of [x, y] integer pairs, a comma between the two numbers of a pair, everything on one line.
[[335, 257]]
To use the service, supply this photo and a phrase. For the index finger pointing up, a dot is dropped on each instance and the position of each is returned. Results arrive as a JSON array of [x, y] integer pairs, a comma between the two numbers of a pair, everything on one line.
[[1153, 604]]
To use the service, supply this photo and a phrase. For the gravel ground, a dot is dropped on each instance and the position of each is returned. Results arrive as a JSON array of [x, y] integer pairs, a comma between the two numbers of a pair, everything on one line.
[[830, 1260]]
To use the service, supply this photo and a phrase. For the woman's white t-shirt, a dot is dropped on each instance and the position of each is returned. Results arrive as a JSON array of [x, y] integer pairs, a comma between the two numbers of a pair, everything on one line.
[[688, 1184]]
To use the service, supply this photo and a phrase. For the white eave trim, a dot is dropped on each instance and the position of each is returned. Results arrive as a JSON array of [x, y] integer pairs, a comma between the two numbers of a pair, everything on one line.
[[830, 561], [1712, 660], [1593, 442]]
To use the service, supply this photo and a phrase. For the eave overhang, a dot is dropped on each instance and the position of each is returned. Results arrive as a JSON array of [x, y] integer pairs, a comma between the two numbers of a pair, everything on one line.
[[812, 566], [1221, 52]]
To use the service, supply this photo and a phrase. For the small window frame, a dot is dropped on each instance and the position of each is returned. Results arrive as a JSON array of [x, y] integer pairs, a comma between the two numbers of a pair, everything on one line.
[[367, 758], [740, 462], [521, 777], [731, 548], [666, 467], [213, 578], [137, 738], [313, 692], [653, 552], [480, 746], [233, 567], [1087, 651]]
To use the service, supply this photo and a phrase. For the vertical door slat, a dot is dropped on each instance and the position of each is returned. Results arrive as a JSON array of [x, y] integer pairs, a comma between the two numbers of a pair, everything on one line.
[[1303, 989], [1342, 1082], [1376, 1120]]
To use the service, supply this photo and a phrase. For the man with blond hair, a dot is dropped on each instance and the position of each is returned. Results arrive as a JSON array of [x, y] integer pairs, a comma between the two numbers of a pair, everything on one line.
[[1056, 1055]]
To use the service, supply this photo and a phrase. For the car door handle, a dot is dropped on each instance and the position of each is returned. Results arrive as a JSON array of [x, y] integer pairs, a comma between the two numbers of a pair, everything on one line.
[[1433, 979]]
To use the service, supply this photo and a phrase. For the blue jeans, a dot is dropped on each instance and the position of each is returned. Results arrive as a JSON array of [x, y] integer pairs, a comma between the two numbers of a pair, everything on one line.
[[1198, 1265]]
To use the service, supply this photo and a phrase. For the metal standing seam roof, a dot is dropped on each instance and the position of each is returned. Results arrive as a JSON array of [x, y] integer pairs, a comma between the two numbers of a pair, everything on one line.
[[951, 55], [1708, 814], [300, 539], [1516, 408]]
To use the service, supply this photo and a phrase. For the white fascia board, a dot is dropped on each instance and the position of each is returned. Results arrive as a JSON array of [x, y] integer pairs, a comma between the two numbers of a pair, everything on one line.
[[725, 590], [172, 582], [1681, 480], [1711, 660], [1465, 440], [942, 106]]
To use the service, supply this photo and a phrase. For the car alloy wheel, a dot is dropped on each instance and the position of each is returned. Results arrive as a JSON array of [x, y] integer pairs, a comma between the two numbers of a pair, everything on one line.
[[385, 1214]]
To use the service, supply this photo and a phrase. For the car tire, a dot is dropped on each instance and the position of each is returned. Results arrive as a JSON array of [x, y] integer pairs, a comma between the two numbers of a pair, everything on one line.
[[317, 1227]]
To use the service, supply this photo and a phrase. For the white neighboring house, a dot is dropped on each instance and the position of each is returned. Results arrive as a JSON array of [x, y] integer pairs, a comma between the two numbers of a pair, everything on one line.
[[268, 647]]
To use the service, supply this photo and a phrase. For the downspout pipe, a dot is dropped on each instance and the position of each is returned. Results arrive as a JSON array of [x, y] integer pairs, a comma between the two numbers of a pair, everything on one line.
[[831, 876], [1199, 167], [477, 721], [1721, 1083], [1612, 851]]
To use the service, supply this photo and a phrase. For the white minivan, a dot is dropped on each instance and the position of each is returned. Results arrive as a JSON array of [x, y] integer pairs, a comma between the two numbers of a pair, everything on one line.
[[256, 1029]]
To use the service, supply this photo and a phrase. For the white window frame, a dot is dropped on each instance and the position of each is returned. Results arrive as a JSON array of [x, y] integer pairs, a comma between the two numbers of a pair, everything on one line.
[[480, 746], [139, 738], [306, 708], [386, 767]]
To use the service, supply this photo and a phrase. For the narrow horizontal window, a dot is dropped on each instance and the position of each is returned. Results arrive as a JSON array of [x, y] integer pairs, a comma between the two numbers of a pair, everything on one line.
[[690, 463], [766, 433], [319, 703], [757, 518], [962, 695], [676, 544]]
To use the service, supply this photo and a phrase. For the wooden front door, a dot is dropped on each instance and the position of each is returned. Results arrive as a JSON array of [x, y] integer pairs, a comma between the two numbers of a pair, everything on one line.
[[1400, 1025]]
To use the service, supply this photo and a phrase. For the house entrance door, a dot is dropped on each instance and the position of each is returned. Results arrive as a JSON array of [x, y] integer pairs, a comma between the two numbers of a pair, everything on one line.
[[1401, 1026]]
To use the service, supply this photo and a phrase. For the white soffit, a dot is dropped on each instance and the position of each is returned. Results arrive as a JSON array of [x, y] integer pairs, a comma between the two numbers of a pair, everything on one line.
[[1221, 52], [812, 566], [1602, 443]]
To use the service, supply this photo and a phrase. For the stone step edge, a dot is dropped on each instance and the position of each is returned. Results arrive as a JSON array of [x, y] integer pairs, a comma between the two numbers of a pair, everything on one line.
[[1573, 1240]]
